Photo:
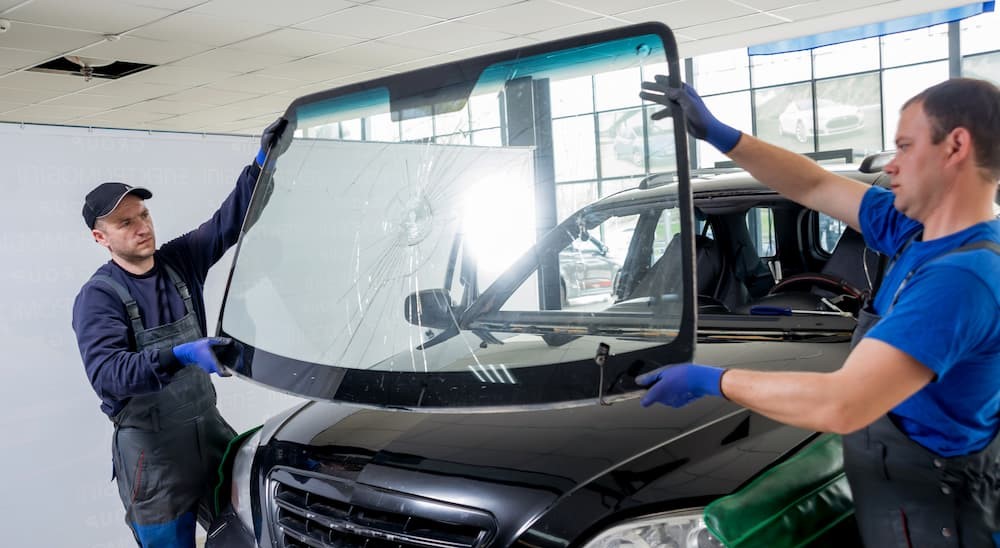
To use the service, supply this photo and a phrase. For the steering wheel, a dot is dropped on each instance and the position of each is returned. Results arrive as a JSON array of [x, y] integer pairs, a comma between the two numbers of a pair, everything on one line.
[[803, 282]]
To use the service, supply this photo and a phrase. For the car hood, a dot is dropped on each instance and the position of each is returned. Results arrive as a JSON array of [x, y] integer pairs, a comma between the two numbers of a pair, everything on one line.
[[530, 465], [834, 111]]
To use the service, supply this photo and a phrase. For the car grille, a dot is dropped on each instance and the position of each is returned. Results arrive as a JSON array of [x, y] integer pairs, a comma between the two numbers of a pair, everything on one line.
[[311, 510], [842, 122]]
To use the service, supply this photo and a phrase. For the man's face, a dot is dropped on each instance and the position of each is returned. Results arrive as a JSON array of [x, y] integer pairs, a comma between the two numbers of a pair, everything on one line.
[[916, 173], [128, 231]]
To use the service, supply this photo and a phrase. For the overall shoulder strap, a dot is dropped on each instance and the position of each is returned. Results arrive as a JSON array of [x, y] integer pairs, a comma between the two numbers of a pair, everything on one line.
[[130, 305], [983, 244], [182, 287]]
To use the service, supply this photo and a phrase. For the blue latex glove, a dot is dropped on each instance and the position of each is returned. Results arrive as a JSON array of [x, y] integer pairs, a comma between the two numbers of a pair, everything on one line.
[[679, 385], [200, 353], [270, 137], [700, 122]]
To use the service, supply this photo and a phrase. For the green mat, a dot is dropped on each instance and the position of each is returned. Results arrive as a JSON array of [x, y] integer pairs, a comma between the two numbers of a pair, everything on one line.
[[225, 466], [798, 502]]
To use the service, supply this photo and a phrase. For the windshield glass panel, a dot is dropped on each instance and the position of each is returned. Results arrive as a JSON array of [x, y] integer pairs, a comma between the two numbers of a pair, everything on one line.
[[409, 226]]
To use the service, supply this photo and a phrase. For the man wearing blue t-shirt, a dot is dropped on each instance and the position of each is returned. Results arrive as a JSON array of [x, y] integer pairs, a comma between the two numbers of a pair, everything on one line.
[[918, 398], [140, 325]]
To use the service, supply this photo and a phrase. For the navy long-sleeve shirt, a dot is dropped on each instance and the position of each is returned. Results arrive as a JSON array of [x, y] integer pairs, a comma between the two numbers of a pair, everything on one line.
[[103, 331]]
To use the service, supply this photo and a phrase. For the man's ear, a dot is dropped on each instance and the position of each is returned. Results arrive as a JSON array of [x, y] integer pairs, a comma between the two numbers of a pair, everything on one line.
[[100, 237], [960, 148]]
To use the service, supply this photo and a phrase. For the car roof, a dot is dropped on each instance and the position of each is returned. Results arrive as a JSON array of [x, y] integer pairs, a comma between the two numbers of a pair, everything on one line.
[[706, 183]]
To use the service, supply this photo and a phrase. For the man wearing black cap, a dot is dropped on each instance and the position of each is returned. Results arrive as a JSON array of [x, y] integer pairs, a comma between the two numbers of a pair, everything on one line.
[[140, 324]]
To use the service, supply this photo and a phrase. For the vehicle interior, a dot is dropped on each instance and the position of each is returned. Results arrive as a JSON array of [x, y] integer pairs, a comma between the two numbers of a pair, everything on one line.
[[760, 254]]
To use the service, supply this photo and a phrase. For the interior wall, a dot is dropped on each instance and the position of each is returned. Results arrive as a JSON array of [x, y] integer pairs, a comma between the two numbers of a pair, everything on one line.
[[55, 442]]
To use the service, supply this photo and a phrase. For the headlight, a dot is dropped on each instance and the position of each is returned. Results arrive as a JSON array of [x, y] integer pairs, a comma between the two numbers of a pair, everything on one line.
[[683, 529], [240, 495]]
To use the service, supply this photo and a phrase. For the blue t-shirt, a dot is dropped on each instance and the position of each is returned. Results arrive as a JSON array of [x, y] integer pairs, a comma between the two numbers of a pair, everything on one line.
[[947, 317]]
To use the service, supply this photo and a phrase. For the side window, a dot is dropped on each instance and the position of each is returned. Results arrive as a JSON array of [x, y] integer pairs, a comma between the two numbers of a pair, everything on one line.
[[667, 227], [829, 233], [760, 223]]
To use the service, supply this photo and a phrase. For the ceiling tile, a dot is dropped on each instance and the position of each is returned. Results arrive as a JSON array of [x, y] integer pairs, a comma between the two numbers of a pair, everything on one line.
[[96, 122], [360, 77], [180, 76], [368, 22], [39, 38], [233, 60], [101, 16], [234, 128], [310, 70], [7, 4], [778, 4], [687, 13], [173, 5], [174, 107], [619, 6], [102, 102], [143, 50], [594, 25], [243, 111], [295, 43], [135, 90], [61, 112], [445, 9], [529, 17], [809, 10], [288, 14], [212, 117], [210, 96], [26, 96], [445, 37], [256, 83], [423, 63], [375, 54], [254, 126], [52, 82], [6, 106], [20, 58], [502, 45], [203, 29], [729, 26], [267, 104], [124, 117]]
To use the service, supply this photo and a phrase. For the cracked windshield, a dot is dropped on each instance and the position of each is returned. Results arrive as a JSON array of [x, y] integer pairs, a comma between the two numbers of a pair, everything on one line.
[[479, 222]]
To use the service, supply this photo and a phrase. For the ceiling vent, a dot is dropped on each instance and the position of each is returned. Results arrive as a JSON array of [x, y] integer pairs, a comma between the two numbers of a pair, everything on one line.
[[89, 68]]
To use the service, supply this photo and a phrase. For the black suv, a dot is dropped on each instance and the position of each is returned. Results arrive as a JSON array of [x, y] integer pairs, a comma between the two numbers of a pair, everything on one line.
[[411, 289]]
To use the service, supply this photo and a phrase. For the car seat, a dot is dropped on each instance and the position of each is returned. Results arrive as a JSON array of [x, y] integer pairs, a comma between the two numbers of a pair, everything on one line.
[[664, 276], [845, 279]]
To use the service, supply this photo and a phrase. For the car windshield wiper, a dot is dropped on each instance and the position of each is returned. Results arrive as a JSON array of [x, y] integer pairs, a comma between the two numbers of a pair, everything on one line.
[[609, 324]]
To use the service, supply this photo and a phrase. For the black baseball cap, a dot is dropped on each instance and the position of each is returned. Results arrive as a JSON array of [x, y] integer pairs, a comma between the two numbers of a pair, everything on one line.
[[101, 201]]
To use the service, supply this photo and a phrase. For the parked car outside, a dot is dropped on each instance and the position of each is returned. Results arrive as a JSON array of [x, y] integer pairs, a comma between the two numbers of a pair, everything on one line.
[[834, 118], [632, 141], [587, 268], [454, 406]]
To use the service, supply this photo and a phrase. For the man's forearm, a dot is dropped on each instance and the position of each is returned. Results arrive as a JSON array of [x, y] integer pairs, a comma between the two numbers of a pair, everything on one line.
[[806, 400]]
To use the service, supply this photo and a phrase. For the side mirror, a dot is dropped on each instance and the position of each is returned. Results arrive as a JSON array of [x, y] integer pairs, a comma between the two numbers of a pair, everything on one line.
[[430, 308]]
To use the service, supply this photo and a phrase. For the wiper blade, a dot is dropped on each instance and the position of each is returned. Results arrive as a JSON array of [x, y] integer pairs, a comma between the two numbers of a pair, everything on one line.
[[538, 328]]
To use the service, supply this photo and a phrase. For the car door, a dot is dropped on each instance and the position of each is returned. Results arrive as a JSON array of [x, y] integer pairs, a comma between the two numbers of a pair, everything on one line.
[[418, 268]]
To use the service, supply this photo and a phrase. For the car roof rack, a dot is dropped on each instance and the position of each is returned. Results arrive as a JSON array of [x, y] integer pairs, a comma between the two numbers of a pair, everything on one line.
[[846, 155], [872, 163], [666, 177]]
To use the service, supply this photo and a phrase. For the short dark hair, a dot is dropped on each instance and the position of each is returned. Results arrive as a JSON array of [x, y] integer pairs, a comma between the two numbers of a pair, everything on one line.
[[971, 104]]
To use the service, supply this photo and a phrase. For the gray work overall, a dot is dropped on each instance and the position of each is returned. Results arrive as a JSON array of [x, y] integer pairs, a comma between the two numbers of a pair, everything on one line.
[[167, 444], [904, 494]]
